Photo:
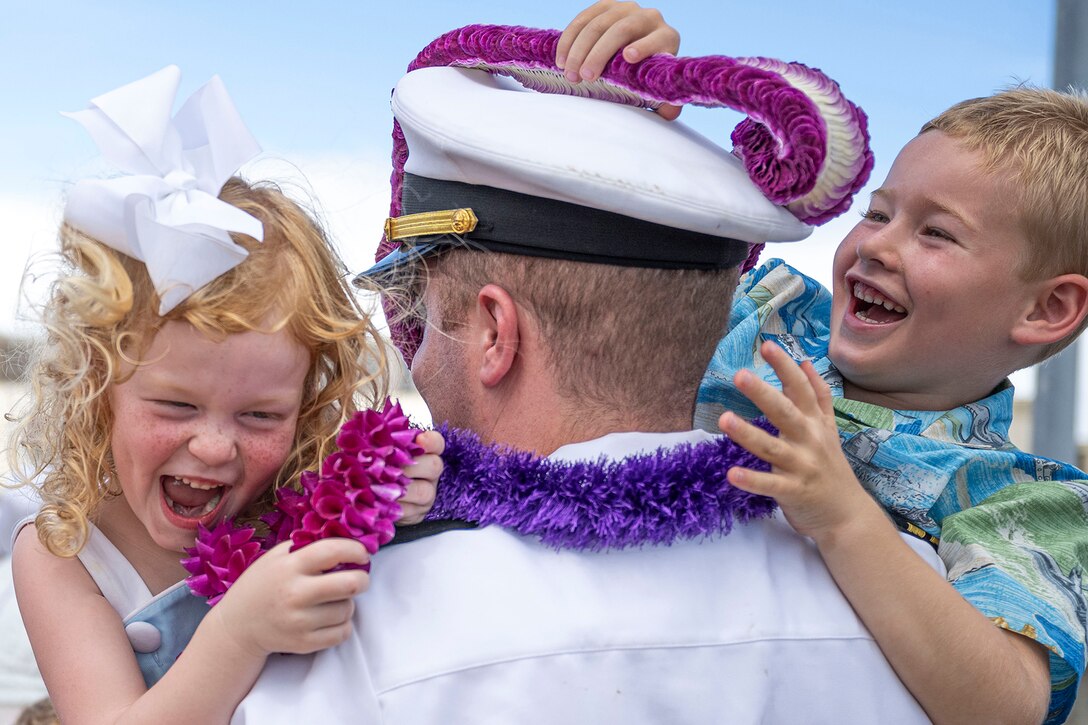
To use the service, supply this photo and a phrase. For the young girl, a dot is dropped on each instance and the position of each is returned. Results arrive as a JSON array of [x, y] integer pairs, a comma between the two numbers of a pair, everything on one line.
[[186, 374]]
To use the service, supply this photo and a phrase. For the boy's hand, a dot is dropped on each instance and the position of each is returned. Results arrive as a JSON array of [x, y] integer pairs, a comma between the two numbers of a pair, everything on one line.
[[424, 472], [810, 477], [289, 601], [602, 29]]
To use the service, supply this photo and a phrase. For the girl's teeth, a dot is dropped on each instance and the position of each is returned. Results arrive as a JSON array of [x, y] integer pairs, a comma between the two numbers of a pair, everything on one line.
[[193, 484], [194, 512], [212, 503]]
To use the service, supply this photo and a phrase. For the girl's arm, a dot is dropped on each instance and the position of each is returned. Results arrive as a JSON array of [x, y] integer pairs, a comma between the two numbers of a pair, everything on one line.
[[282, 603], [956, 663]]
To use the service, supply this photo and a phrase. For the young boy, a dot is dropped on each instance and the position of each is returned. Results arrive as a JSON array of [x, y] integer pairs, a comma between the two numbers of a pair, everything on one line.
[[970, 263]]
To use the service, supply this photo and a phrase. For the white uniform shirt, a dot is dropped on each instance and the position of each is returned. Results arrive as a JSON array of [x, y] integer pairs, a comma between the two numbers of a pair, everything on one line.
[[487, 626]]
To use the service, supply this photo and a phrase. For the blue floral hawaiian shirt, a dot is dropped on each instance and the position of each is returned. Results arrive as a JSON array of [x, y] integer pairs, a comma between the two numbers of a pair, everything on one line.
[[1012, 528]]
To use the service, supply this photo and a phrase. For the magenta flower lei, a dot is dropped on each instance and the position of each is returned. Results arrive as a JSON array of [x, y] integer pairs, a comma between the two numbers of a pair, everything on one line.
[[804, 143], [355, 496]]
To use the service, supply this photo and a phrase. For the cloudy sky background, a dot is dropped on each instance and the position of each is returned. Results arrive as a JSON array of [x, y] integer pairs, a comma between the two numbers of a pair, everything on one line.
[[312, 81]]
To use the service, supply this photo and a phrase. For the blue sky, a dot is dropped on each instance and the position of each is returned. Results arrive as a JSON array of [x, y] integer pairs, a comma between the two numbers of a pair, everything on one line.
[[312, 80]]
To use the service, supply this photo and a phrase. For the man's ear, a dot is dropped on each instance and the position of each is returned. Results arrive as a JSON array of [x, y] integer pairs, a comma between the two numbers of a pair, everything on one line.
[[1059, 307], [500, 333]]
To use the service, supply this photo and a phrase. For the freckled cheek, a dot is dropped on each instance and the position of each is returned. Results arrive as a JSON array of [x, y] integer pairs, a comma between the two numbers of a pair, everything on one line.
[[142, 436], [266, 455]]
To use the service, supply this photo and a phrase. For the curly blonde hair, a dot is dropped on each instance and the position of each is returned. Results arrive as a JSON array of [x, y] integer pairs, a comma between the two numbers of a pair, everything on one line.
[[102, 312]]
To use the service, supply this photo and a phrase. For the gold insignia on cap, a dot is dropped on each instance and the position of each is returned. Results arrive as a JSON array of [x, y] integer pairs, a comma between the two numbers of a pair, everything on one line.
[[447, 221]]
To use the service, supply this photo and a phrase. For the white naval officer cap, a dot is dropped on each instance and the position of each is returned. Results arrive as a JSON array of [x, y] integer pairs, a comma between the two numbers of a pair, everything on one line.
[[569, 177], [495, 150]]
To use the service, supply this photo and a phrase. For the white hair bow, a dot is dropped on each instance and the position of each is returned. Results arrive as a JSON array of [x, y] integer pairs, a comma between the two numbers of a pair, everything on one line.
[[165, 210]]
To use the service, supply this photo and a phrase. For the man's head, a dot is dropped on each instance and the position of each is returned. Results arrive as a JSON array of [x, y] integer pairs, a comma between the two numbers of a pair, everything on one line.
[[589, 283], [972, 259], [621, 347], [576, 255]]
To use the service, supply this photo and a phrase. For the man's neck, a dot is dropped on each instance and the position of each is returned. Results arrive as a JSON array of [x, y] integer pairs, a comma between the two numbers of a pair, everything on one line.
[[550, 429]]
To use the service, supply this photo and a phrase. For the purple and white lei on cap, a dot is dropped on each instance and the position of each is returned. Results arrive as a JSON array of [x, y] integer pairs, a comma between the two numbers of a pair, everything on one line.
[[804, 143], [651, 499]]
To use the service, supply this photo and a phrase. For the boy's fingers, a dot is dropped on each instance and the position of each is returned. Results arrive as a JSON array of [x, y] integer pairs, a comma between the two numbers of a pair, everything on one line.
[[622, 30], [757, 441], [575, 68], [661, 40], [598, 19], [668, 111], [777, 408], [819, 387], [606, 47], [796, 385], [574, 29], [639, 34], [758, 482]]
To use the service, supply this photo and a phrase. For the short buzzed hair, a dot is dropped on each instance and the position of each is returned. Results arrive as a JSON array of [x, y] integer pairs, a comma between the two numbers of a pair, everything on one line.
[[633, 338]]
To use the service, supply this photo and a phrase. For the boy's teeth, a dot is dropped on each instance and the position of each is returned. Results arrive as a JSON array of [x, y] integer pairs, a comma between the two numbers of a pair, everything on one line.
[[874, 298]]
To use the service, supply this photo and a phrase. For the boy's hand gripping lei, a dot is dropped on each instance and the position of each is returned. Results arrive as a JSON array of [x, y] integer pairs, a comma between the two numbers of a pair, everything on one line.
[[355, 496]]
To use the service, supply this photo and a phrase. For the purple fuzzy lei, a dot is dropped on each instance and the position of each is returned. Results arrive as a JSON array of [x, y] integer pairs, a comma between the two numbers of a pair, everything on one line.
[[652, 499]]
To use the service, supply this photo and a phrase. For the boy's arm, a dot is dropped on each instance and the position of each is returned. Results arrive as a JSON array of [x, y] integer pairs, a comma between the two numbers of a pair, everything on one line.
[[282, 603], [957, 664]]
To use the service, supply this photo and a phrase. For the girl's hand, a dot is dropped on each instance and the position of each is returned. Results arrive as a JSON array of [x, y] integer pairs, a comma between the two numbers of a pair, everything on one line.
[[810, 477], [424, 472], [290, 601], [602, 29]]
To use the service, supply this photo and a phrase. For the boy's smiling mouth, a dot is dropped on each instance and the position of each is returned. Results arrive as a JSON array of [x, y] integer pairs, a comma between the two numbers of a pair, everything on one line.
[[872, 306], [191, 500]]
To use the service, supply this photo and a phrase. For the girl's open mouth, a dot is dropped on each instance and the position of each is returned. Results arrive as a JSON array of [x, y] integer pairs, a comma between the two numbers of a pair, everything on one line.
[[188, 503]]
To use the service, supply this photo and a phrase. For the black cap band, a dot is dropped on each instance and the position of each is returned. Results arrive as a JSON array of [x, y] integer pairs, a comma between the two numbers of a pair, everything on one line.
[[518, 223]]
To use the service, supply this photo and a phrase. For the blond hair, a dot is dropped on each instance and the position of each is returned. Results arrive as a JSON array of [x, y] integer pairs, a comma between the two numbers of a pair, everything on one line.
[[619, 338], [1040, 138], [102, 312]]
